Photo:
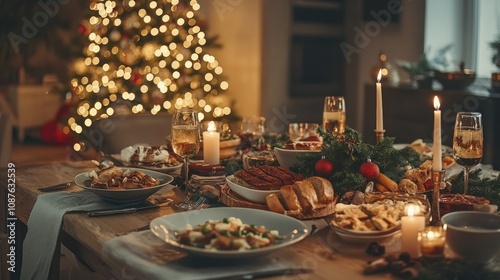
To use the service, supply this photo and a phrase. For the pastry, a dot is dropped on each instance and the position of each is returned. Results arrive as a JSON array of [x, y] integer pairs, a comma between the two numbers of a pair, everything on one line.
[[407, 186], [387, 182]]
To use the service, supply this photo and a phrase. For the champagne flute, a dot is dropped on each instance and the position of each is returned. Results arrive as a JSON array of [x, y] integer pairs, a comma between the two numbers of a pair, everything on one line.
[[334, 114], [186, 144], [468, 142]]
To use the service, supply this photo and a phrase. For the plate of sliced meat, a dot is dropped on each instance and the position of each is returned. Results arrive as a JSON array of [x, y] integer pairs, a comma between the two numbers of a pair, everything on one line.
[[256, 183]]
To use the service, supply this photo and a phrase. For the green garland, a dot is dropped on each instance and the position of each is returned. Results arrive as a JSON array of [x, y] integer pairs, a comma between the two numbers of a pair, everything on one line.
[[488, 188], [348, 152]]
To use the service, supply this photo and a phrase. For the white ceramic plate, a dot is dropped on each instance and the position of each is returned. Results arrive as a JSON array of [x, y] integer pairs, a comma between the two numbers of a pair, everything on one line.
[[256, 196], [365, 239], [364, 233], [288, 158], [165, 228], [127, 195], [159, 169]]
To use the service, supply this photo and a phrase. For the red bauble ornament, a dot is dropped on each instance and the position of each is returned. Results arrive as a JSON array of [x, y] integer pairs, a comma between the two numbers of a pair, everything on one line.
[[369, 170], [324, 168], [136, 79], [82, 29]]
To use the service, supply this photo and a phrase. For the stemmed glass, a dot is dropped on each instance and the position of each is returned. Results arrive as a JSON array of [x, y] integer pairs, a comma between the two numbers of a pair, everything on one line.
[[334, 114], [468, 142], [186, 144]]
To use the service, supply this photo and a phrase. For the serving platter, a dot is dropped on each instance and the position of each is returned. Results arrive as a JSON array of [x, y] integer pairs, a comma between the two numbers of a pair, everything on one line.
[[166, 228], [365, 239], [164, 168], [126, 195], [256, 196]]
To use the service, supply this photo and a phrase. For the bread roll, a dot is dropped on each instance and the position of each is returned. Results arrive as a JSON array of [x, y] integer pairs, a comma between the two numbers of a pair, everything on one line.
[[387, 182], [290, 198], [408, 186], [324, 189], [274, 203], [417, 175], [307, 195]]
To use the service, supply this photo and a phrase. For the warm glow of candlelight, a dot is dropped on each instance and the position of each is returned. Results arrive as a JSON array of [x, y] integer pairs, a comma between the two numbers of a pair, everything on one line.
[[412, 210], [436, 103], [379, 76], [211, 126]]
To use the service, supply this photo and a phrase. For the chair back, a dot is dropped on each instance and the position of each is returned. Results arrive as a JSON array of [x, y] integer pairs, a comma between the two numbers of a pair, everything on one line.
[[5, 138], [112, 134]]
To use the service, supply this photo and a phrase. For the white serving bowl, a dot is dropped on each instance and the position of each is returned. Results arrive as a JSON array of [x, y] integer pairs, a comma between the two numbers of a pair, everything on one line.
[[288, 157], [473, 236], [253, 195]]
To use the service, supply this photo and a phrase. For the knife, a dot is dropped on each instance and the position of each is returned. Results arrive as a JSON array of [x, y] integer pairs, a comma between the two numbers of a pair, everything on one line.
[[99, 213], [55, 187], [281, 271]]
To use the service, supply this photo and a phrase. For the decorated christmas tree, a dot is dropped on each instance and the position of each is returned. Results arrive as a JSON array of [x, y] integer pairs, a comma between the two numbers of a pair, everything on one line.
[[145, 57]]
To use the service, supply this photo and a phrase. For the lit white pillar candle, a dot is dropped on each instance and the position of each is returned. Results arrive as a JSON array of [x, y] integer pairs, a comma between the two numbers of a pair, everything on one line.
[[211, 145], [379, 112], [411, 225], [437, 164]]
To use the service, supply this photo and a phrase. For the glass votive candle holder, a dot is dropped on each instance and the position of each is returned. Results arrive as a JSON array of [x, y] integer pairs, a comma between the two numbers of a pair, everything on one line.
[[432, 241]]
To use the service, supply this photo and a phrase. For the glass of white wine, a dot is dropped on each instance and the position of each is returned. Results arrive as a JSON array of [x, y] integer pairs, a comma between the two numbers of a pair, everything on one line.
[[468, 142], [334, 114], [186, 144]]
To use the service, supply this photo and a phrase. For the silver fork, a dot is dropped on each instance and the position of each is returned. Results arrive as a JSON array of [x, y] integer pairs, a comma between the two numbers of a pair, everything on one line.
[[197, 205]]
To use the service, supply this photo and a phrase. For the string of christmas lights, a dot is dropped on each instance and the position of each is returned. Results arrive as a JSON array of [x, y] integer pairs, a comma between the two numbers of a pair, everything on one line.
[[145, 56]]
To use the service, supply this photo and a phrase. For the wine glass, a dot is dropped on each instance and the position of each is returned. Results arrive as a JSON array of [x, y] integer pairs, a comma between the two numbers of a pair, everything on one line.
[[468, 142], [252, 129], [334, 114], [186, 144]]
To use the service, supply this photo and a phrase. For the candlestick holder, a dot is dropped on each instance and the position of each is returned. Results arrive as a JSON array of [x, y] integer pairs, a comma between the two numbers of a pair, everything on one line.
[[379, 135], [437, 178]]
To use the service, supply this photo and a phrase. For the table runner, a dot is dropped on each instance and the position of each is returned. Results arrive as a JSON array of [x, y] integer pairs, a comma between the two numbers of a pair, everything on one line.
[[141, 255], [44, 225]]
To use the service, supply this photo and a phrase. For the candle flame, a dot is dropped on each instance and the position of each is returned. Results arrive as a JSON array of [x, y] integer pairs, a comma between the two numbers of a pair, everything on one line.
[[412, 210], [379, 76], [211, 126], [436, 103], [430, 235]]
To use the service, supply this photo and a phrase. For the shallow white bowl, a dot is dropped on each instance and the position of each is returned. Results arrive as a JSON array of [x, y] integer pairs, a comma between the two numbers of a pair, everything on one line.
[[165, 228], [473, 236], [256, 196], [288, 158], [126, 195]]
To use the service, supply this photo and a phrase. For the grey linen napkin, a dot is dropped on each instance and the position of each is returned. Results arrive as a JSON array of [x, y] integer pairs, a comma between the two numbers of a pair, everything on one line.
[[141, 255], [44, 225]]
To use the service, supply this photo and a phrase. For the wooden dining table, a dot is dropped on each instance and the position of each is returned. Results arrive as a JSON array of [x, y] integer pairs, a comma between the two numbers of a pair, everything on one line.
[[85, 236]]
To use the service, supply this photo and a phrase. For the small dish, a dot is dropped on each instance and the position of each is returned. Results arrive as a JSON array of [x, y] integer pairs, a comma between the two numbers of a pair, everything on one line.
[[164, 168], [166, 227], [257, 196], [126, 195], [366, 239], [365, 233], [288, 157]]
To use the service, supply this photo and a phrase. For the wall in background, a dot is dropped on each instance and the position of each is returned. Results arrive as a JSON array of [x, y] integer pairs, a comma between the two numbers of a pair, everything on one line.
[[255, 56], [239, 27]]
